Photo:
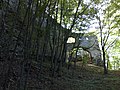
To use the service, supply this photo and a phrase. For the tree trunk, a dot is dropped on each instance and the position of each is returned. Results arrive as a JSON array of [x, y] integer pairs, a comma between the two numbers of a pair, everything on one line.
[[104, 61]]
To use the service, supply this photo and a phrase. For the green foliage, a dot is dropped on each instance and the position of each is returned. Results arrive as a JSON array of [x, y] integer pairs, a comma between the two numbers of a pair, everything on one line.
[[85, 59], [66, 12], [109, 27], [113, 13], [109, 65]]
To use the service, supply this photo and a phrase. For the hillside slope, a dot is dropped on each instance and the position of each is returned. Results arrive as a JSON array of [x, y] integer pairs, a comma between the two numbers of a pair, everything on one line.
[[89, 77]]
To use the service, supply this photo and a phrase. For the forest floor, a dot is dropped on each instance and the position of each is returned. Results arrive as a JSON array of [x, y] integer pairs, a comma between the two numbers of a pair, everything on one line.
[[89, 77]]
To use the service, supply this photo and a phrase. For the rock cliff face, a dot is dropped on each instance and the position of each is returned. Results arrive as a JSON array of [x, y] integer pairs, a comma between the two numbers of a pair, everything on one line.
[[90, 44]]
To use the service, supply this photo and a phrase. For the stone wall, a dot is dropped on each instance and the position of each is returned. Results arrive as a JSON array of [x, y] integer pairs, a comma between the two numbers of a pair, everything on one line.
[[90, 44]]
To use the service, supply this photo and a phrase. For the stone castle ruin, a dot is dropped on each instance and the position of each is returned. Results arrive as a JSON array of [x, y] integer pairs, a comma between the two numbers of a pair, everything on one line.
[[88, 45]]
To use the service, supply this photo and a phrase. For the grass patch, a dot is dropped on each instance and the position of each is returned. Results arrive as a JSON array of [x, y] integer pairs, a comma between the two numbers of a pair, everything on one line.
[[89, 77]]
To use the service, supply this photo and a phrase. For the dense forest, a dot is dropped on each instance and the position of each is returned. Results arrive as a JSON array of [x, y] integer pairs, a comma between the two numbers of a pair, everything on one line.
[[59, 44]]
